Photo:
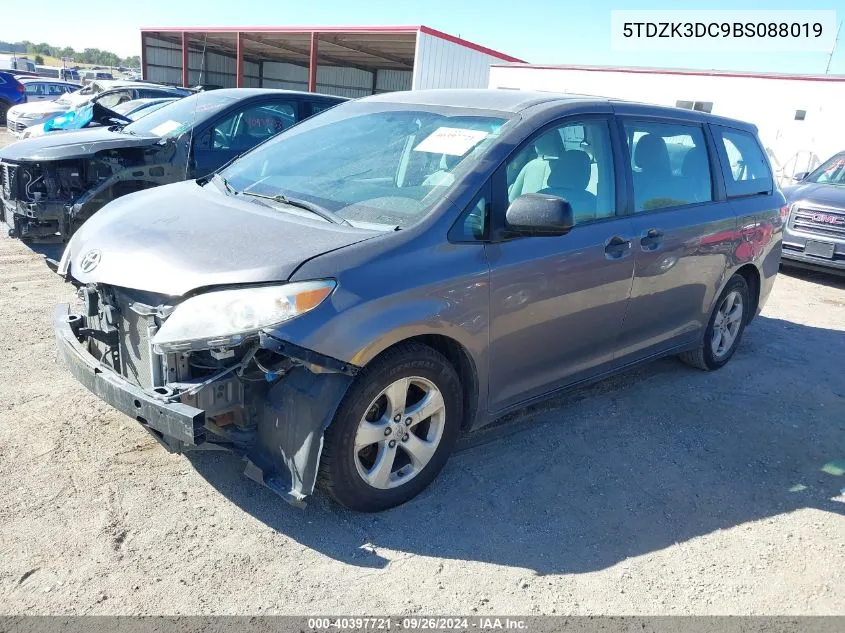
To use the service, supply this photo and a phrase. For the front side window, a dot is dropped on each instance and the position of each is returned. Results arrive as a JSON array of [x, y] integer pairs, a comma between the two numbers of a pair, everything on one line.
[[379, 163], [669, 163], [316, 107], [574, 162], [747, 171], [831, 172], [34, 89]]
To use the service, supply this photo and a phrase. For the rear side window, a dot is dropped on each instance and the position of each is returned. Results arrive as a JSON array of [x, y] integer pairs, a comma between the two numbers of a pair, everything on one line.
[[745, 166], [670, 165]]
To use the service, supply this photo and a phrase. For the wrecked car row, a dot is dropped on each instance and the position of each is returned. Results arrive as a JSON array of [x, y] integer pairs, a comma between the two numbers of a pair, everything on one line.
[[49, 185], [339, 303]]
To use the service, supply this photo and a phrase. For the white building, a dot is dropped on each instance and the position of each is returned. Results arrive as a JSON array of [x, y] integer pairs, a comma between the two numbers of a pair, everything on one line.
[[799, 116]]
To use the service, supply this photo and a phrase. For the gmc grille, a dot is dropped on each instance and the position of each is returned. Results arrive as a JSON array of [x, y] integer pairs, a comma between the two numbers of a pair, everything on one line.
[[829, 222]]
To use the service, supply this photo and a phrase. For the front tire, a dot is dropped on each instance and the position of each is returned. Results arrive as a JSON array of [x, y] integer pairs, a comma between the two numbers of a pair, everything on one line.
[[724, 330], [394, 430]]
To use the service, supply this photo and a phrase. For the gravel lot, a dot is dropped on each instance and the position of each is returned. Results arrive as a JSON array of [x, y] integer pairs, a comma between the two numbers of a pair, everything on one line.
[[662, 491]]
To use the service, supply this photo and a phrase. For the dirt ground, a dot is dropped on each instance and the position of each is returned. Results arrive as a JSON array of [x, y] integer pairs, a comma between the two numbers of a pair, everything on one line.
[[662, 491]]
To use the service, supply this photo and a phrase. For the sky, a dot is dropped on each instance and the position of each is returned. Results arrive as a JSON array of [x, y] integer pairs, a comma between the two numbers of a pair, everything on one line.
[[538, 31]]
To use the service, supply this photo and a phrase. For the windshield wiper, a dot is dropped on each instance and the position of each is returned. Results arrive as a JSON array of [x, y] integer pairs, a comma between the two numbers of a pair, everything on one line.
[[316, 209], [225, 183]]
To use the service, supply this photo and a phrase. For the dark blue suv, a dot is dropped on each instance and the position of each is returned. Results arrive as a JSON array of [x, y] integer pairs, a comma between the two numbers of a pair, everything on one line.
[[11, 93]]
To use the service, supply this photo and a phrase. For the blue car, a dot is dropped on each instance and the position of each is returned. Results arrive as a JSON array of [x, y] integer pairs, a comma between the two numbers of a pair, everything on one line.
[[12, 93]]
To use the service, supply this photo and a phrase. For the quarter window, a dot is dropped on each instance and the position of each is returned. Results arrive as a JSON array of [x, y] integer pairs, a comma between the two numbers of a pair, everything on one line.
[[746, 169], [574, 162], [669, 163], [472, 226]]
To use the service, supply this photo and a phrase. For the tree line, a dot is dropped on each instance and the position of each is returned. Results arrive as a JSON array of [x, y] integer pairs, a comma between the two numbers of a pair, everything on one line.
[[87, 56]]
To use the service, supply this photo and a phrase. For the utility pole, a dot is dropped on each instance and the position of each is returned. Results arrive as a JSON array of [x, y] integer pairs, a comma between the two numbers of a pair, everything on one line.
[[832, 50]]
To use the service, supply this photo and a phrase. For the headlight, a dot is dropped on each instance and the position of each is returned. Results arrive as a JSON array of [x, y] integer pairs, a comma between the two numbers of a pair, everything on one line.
[[226, 317], [36, 115]]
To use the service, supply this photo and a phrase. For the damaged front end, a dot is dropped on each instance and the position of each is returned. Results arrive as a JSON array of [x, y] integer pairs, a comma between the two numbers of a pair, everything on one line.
[[256, 395], [47, 200], [38, 198]]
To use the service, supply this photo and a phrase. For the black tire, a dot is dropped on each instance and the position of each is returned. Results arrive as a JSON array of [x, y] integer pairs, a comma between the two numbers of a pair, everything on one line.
[[338, 474], [4, 108], [702, 356]]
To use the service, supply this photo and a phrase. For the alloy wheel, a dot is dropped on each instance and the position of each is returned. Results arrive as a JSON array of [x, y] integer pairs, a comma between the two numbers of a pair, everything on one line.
[[727, 324], [400, 432]]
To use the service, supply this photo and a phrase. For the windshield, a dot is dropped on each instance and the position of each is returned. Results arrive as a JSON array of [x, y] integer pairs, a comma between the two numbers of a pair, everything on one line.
[[72, 97], [179, 116], [369, 162], [830, 173]]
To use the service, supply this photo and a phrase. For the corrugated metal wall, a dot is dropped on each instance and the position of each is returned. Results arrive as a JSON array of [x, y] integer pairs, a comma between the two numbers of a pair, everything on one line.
[[443, 64], [164, 61], [390, 80], [164, 64]]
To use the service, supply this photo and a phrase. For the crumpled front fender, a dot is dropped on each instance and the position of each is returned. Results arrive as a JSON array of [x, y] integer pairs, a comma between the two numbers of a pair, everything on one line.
[[296, 412]]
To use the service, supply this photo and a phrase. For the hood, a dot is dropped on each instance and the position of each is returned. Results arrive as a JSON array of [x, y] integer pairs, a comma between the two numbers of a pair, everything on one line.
[[177, 238], [816, 193], [40, 107], [77, 144]]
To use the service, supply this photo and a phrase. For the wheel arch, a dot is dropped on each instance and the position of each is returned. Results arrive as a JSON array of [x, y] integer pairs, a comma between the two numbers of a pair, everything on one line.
[[752, 277], [460, 359]]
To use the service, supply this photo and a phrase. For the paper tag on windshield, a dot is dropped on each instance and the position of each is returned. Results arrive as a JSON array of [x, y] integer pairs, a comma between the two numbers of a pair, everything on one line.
[[454, 141], [165, 128]]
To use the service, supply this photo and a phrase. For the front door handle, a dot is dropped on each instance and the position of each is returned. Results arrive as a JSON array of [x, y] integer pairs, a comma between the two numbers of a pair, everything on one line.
[[651, 239], [617, 247]]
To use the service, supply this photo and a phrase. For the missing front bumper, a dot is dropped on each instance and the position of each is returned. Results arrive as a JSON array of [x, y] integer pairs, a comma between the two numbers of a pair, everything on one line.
[[294, 413], [178, 421]]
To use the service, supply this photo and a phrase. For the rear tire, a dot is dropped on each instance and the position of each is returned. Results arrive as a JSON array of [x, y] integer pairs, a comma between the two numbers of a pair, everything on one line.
[[4, 108], [394, 430], [724, 330]]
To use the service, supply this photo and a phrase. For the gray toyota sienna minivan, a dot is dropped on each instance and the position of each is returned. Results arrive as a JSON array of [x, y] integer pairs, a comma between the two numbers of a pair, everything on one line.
[[343, 301]]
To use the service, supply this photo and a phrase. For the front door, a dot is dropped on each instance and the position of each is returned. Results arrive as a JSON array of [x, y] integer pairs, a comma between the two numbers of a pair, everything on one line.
[[36, 91], [685, 234], [557, 303]]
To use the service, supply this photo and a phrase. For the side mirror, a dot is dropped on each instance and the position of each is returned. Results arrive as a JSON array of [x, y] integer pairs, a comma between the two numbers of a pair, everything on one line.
[[539, 214], [799, 176]]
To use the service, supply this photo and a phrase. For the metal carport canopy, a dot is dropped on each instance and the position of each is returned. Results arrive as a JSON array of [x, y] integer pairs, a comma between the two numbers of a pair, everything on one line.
[[367, 48]]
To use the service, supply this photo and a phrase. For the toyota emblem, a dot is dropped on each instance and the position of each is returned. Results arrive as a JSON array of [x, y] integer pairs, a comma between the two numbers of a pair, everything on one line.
[[90, 261]]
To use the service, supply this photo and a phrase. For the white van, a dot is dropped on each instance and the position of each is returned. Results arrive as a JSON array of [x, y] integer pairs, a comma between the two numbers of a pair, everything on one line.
[[16, 62], [55, 72]]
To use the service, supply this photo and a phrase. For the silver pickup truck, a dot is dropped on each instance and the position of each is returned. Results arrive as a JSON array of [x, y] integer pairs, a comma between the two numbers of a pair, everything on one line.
[[815, 233]]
